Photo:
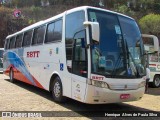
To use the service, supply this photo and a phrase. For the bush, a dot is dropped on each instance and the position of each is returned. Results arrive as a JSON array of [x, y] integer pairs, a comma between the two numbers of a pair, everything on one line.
[[150, 24]]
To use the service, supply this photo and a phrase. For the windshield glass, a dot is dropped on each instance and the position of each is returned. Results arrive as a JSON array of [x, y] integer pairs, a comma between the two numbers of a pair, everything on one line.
[[133, 44], [119, 52], [149, 43]]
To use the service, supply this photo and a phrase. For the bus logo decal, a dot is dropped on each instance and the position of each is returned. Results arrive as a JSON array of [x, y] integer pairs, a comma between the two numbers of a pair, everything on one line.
[[32, 54], [97, 77]]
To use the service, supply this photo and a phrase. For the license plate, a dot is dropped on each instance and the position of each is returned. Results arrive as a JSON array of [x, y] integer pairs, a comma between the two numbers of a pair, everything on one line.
[[124, 96]]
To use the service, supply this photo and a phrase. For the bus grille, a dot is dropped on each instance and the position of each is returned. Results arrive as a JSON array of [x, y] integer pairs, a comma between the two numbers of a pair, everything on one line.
[[123, 87]]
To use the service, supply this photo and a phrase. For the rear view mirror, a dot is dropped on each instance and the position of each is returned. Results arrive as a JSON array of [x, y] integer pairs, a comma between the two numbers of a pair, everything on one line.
[[95, 32], [151, 43]]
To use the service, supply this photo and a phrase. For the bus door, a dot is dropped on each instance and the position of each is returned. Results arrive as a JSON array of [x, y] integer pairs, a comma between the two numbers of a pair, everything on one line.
[[79, 66]]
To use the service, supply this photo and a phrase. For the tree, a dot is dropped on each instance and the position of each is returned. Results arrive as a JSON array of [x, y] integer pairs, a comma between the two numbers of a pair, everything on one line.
[[150, 24]]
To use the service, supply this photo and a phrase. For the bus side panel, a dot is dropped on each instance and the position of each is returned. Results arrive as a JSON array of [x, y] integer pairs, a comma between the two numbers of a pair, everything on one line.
[[13, 60], [50, 60]]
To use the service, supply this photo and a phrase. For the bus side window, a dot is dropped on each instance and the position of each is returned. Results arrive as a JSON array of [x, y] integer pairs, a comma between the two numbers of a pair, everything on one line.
[[54, 31], [79, 55], [58, 30], [74, 24], [19, 40], [27, 38], [6, 44], [38, 35], [12, 43]]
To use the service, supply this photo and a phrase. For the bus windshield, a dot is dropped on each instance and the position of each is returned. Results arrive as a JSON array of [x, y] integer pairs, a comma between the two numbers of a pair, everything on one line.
[[120, 50], [148, 42]]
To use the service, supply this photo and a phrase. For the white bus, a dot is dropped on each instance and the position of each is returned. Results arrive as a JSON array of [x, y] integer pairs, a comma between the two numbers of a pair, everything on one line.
[[1, 59], [88, 54], [150, 41]]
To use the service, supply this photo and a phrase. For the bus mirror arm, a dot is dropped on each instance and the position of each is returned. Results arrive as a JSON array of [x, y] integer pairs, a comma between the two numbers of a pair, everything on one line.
[[88, 45], [92, 44]]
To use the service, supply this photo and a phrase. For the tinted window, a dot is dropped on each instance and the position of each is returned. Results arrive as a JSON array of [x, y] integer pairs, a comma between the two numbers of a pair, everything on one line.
[[74, 24], [148, 41], [19, 40], [38, 35], [1, 53], [71, 29], [6, 44], [54, 31], [79, 62], [27, 38], [58, 30], [12, 43]]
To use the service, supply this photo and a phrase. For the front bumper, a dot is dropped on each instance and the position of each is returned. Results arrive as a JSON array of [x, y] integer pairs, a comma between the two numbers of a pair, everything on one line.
[[96, 95]]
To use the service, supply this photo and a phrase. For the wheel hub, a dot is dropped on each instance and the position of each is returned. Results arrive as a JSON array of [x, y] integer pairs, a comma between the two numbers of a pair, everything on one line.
[[57, 90], [157, 81]]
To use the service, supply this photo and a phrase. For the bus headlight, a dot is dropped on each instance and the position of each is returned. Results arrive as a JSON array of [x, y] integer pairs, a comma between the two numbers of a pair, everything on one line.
[[99, 84], [142, 84]]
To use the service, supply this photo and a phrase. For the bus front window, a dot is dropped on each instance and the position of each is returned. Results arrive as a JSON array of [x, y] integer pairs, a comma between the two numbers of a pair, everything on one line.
[[132, 37], [117, 47]]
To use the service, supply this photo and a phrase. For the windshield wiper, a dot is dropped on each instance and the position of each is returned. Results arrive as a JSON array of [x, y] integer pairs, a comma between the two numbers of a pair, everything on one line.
[[117, 64], [132, 64], [120, 57], [129, 63]]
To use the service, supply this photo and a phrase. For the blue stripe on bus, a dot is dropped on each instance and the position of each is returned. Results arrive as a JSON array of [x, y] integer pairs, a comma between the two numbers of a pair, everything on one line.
[[17, 62]]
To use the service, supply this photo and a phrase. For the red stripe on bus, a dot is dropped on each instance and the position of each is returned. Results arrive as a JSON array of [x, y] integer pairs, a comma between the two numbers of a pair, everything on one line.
[[6, 72], [152, 64], [37, 83], [19, 76]]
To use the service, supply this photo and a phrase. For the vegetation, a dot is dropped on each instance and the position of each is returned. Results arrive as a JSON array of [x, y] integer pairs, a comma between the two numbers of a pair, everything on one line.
[[146, 12], [150, 24]]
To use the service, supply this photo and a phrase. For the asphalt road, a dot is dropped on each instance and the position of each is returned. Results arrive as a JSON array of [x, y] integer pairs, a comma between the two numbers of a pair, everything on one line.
[[23, 97]]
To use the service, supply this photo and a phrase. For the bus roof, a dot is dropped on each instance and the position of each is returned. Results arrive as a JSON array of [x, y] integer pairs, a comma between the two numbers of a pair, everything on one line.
[[102, 9], [61, 15]]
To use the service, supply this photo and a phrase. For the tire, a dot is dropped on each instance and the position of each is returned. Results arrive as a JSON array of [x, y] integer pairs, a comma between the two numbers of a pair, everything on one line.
[[11, 76], [156, 81], [57, 91]]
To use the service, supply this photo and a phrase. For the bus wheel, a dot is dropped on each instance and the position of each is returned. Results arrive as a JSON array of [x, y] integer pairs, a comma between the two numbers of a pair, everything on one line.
[[57, 90], [11, 76], [156, 81]]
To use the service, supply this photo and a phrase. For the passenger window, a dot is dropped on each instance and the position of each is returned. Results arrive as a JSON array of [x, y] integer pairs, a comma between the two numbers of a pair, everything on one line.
[[74, 24], [54, 32], [6, 44], [49, 34], [19, 40], [58, 30], [27, 38], [12, 43], [79, 54], [38, 35]]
